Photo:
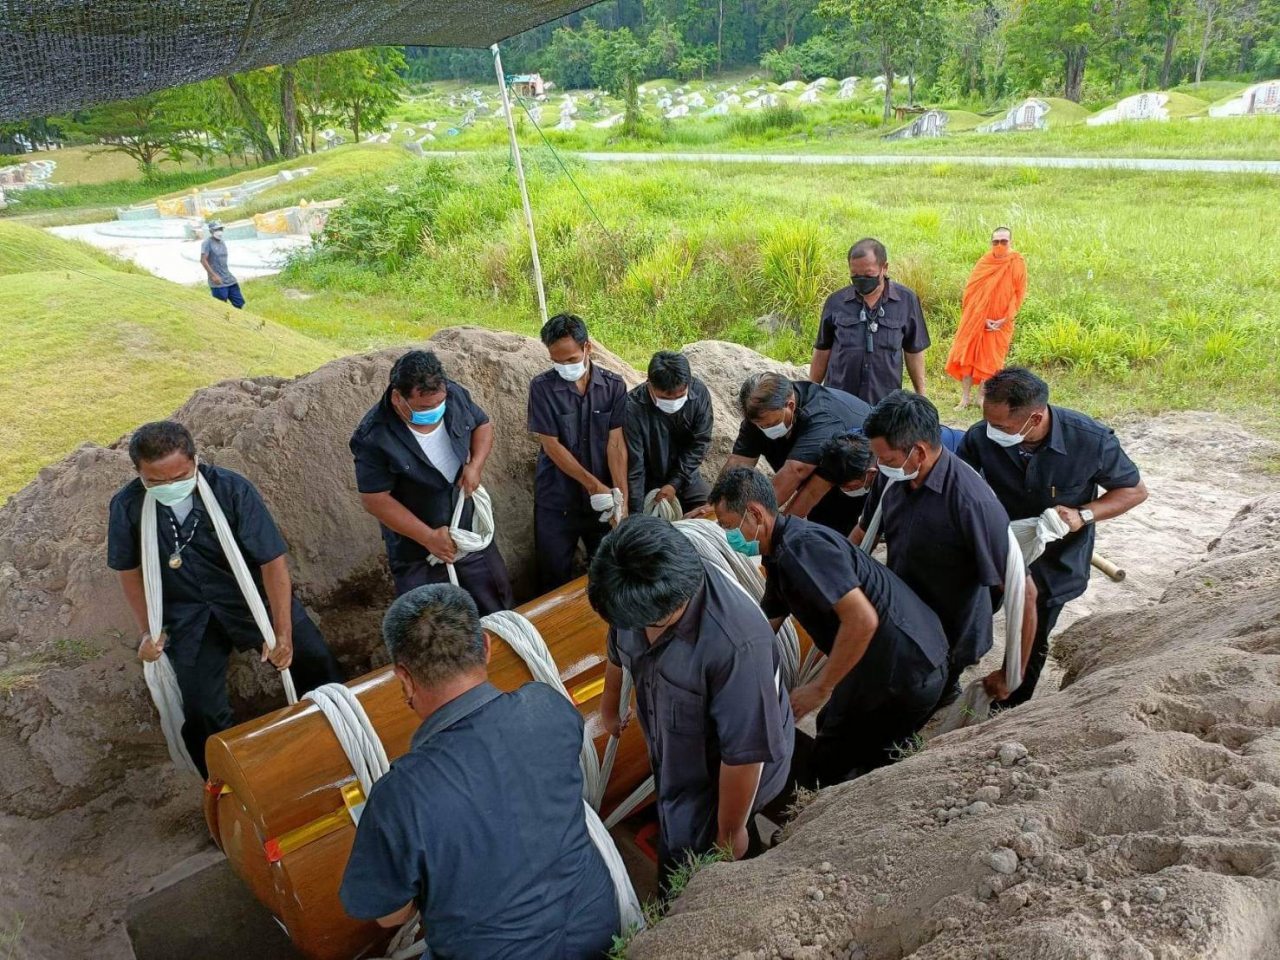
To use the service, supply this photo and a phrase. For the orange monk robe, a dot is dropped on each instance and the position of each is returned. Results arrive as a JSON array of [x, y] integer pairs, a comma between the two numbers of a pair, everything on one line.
[[995, 291]]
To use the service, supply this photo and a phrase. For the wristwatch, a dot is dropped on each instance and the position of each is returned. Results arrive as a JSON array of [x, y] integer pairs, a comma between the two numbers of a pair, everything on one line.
[[1086, 516]]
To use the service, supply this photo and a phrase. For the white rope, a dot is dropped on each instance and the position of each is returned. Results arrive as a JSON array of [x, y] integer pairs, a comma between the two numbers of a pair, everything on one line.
[[669, 510], [608, 505], [1036, 533], [527, 643], [469, 541], [159, 675], [873, 527], [355, 733]]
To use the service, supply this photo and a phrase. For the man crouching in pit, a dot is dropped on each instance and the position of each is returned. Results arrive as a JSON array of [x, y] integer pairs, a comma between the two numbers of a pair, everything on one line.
[[480, 827], [205, 615], [709, 694]]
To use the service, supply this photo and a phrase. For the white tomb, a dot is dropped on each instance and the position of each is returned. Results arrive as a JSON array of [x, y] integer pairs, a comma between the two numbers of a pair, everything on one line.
[[1027, 115], [1259, 98], [1142, 106]]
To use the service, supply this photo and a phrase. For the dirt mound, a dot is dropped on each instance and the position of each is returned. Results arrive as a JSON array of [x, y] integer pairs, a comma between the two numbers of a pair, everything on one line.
[[1133, 814]]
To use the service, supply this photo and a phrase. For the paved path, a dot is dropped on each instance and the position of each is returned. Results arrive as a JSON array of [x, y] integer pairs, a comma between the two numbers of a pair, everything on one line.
[[877, 160]]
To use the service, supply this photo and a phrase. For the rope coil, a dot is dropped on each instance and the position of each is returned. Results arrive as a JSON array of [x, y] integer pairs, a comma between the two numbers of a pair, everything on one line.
[[468, 541]]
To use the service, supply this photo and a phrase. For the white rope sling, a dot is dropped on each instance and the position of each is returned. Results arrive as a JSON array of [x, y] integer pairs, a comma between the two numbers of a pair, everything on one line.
[[469, 541], [669, 510], [159, 675]]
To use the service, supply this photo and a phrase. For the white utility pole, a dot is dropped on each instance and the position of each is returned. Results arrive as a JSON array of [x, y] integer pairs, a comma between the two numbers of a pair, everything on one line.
[[524, 190]]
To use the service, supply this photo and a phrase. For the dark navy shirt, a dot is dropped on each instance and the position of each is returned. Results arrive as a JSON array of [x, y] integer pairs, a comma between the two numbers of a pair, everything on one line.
[[810, 568], [204, 586], [581, 422], [666, 448], [482, 824], [844, 328], [709, 691], [949, 540], [1078, 456], [389, 460]]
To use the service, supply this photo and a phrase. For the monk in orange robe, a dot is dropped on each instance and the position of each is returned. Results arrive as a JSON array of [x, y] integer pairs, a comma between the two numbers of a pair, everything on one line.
[[995, 291]]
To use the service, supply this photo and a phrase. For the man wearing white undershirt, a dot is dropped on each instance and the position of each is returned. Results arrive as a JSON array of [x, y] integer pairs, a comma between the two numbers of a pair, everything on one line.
[[421, 446]]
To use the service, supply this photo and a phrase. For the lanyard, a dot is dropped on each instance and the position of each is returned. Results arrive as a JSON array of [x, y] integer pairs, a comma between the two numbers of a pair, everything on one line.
[[175, 558], [873, 324]]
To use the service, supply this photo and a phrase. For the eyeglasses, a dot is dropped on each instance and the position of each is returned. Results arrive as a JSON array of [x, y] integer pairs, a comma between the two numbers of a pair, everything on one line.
[[999, 243]]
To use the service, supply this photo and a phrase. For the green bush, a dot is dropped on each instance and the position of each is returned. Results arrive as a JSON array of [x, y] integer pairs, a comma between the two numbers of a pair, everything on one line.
[[760, 122]]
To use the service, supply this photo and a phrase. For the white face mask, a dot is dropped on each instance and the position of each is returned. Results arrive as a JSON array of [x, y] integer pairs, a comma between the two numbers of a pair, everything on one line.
[[172, 494], [572, 371], [1007, 439], [899, 473], [670, 406], [860, 492]]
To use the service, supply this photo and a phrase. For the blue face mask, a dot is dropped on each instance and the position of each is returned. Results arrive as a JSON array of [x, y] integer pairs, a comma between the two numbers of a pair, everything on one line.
[[427, 418], [739, 542]]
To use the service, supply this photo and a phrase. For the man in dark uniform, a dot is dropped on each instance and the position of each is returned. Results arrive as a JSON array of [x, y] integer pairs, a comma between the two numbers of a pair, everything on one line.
[[479, 828], [577, 411], [421, 447], [847, 462], [886, 651], [947, 535], [668, 432], [1037, 457], [868, 328], [708, 687], [788, 422], [205, 614]]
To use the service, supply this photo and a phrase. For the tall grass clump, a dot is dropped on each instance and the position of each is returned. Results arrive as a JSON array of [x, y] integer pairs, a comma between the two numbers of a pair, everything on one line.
[[383, 224], [759, 122], [794, 275]]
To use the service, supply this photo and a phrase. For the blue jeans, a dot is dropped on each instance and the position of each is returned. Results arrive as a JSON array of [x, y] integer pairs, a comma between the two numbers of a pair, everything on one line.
[[229, 294]]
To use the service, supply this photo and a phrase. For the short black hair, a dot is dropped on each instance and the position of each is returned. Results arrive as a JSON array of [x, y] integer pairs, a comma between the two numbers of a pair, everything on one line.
[[998, 229], [669, 371], [762, 392], [843, 458], [564, 325], [741, 485], [418, 370], [1017, 388], [434, 633], [156, 440], [904, 419], [869, 245], [642, 572]]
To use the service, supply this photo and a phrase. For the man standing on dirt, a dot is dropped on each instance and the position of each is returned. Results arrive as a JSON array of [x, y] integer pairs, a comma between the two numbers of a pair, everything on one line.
[[1037, 457], [577, 411], [788, 422], [886, 663], [867, 330], [420, 449], [213, 257], [668, 431], [205, 614], [947, 534], [709, 697], [479, 829]]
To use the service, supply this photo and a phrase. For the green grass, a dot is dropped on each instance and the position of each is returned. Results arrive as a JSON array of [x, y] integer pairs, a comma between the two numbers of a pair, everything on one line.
[[26, 670], [655, 910], [1123, 316], [92, 351]]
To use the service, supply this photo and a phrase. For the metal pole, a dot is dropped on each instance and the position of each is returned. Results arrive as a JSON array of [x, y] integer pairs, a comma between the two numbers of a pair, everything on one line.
[[524, 190]]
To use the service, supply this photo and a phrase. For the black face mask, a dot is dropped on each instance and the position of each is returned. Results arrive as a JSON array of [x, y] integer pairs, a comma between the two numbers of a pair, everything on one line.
[[865, 285]]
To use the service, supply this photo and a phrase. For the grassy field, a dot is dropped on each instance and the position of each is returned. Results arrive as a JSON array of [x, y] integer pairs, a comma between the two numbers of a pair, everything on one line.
[[1148, 292], [92, 351]]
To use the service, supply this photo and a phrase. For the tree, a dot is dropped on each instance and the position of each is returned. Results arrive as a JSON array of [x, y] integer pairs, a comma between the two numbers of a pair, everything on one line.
[[365, 85], [146, 128], [1047, 30], [288, 111], [893, 27], [618, 65], [570, 59], [254, 124]]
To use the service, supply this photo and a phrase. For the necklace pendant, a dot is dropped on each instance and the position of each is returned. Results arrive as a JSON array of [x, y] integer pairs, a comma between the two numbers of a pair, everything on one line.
[[175, 561]]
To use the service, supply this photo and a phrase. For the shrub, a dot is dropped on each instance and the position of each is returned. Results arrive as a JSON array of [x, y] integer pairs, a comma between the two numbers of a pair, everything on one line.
[[781, 117], [792, 276]]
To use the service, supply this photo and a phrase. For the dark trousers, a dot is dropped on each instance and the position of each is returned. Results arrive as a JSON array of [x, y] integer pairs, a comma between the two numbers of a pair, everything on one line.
[[695, 494], [483, 575], [852, 740], [231, 295], [1047, 612], [555, 535], [206, 706]]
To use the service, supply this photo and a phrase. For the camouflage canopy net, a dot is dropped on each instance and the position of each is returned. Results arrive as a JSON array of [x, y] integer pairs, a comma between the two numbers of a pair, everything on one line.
[[58, 55]]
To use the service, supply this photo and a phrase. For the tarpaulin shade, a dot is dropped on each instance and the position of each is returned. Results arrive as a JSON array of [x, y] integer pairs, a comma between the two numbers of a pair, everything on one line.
[[58, 55]]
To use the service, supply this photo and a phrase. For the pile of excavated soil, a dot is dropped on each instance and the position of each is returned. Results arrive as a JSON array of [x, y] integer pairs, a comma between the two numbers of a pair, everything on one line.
[[90, 810], [1134, 814]]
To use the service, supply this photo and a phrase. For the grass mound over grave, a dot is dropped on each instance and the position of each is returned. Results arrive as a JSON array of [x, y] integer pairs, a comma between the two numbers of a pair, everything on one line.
[[92, 351]]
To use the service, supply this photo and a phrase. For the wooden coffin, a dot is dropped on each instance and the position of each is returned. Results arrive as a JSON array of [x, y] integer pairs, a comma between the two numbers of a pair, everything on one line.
[[280, 786]]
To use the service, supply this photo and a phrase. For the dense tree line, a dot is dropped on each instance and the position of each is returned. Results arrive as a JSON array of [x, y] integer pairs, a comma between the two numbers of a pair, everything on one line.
[[954, 50]]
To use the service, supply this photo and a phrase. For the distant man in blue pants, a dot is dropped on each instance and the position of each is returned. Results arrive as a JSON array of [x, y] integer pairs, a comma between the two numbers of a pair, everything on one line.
[[213, 257]]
